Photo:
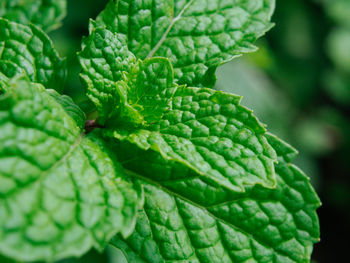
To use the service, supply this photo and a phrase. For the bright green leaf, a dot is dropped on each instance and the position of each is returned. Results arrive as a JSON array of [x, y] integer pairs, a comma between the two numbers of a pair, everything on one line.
[[31, 50], [61, 193], [10, 69], [70, 107], [196, 35], [46, 14], [192, 219], [205, 130], [146, 91], [283, 150], [104, 59]]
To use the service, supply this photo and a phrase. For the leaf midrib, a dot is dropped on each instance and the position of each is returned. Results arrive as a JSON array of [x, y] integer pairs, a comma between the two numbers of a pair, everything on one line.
[[171, 193], [167, 31]]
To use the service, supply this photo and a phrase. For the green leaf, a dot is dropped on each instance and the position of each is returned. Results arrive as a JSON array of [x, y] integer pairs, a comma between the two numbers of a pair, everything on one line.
[[193, 219], [46, 14], [146, 91], [196, 35], [61, 193], [31, 50], [13, 72], [285, 152], [104, 59], [70, 107], [203, 129], [10, 69]]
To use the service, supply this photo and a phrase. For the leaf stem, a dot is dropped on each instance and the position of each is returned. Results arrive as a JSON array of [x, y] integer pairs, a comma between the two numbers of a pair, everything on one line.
[[90, 125]]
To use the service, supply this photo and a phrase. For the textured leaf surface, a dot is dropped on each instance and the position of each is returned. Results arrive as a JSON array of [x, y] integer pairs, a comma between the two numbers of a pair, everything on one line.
[[104, 59], [146, 91], [46, 14], [192, 219], [196, 35], [70, 107], [10, 69], [205, 130], [31, 50], [61, 193]]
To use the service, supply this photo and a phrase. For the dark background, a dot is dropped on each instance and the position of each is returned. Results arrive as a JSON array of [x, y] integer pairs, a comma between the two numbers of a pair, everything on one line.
[[298, 83]]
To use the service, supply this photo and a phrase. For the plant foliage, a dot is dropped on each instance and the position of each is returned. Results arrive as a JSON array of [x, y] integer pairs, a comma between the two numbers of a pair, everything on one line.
[[170, 170]]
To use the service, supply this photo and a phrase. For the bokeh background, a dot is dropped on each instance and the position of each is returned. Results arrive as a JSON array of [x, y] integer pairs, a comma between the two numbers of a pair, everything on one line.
[[298, 83]]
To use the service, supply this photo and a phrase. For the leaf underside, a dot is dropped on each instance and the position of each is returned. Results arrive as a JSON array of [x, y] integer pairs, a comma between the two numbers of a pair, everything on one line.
[[61, 193]]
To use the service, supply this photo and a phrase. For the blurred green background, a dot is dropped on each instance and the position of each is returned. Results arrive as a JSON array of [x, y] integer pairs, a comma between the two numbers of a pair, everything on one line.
[[298, 83]]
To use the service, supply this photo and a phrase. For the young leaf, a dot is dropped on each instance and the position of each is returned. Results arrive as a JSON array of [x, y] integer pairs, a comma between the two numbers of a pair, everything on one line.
[[196, 35], [193, 219], [46, 14], [31, 50], [61, 192], [206, 130], [104, 59], [146, 91]]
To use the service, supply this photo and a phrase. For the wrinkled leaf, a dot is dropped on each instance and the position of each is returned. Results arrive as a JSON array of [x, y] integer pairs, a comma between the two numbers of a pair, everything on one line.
[[70, 107], [196, 35], [61, 193], [104, 59], [10, 69], [46, 14], [192, 219], [31, 50], [206, 130]]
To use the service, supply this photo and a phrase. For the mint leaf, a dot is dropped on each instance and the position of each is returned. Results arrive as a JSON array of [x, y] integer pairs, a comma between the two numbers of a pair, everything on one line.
[[70, 107], [193, 219], [46, 14], [104, 59], [61, 192], [31, 50], [285, 152], [146, 91], [10, 69], [205, 130], [196, 35]]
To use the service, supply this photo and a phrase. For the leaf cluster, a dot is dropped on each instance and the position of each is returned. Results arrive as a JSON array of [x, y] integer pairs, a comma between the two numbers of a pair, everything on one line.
[[170, 170]]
